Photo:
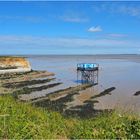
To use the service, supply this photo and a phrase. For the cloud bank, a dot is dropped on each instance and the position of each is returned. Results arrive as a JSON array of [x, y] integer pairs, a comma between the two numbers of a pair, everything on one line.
[[32, 19], [47, 45], [117, 35], [65, 42], [124, 8]]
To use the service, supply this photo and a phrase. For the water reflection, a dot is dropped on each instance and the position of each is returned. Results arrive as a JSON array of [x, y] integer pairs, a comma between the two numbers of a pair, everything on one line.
[[120, 73]]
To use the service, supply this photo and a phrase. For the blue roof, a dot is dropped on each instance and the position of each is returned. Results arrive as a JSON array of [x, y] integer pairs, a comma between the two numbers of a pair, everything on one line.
[[87, 65]]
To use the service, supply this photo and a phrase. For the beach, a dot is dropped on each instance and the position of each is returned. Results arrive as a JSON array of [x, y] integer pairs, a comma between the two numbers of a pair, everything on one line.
[[56, 75], [119, 71]]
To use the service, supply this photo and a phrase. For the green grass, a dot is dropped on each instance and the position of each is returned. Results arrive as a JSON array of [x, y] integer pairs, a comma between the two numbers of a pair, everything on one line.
[[25, 122]]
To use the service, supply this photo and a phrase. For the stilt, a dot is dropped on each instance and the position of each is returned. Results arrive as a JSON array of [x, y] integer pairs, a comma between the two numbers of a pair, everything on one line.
[[88, 73]]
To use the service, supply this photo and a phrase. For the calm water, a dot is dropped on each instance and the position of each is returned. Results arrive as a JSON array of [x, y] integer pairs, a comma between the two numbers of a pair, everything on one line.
[[124, 74]]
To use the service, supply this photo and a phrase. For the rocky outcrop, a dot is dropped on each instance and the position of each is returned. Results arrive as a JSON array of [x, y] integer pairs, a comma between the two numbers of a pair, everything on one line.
[[14, 64]]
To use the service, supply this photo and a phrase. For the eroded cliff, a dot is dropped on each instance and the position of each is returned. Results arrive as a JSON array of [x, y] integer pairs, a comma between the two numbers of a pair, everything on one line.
[[17, 64]]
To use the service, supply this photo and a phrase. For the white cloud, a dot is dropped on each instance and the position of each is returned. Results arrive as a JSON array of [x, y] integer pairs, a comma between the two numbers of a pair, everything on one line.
[[95, 29], [37, 42], [74, 19], [32, 19], [130, 10], [73, 16], [124, 8], [46, 45], [117, 35]]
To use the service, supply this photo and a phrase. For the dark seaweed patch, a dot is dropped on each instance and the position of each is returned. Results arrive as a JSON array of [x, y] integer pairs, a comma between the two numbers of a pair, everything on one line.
[[27, 90], [56, 105], [86, 110], [105, 92], [137, 93], [26, 83], [14, 75]]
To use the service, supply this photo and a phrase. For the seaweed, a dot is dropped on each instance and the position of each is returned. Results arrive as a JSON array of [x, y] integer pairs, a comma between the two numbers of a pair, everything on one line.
[[105, 92], [14, 75], [137, 93], [86, 110], [6, 68], [56, 105], [27, 90], [26, 83]]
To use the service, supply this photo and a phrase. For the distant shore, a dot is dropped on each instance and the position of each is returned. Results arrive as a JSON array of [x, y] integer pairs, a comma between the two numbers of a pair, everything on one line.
[[133, 57], [103, 55]]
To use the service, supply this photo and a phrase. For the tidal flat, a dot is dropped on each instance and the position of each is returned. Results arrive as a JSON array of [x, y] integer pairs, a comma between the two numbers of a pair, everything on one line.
[[118, 82], [62, 107], [119, 71], [34, 87]]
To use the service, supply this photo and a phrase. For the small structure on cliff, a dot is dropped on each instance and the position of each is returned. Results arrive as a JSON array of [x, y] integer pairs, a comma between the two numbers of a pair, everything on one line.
[[9, 64], [88, 73]]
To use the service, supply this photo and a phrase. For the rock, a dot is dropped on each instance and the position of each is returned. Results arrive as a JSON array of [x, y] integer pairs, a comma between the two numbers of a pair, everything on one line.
[[14, 64]]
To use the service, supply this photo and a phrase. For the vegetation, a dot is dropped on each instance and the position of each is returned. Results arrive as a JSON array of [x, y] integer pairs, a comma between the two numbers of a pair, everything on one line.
[[13, 75], [53, 116], [6, 68], [26, 121], [14, 82], [11, 57], [137, 93], [26, 83], [27, 90], [61, 101]]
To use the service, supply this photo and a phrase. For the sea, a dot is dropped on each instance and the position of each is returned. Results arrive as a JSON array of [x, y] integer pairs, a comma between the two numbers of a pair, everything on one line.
[[119, 71]]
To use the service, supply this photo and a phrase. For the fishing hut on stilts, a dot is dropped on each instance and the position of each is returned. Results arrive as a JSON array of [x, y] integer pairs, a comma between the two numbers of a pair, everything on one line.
[[88, 73]]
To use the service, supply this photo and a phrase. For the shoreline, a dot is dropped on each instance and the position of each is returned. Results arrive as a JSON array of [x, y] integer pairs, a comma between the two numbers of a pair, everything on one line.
[[34, 85], [57, 112], [130, 57], [107, 56]]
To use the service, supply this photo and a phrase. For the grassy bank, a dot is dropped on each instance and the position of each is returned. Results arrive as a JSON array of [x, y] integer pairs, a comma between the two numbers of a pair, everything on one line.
[[25, 121]]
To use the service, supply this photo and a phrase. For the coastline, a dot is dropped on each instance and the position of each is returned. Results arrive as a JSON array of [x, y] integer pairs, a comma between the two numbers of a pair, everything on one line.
[[25, 95]]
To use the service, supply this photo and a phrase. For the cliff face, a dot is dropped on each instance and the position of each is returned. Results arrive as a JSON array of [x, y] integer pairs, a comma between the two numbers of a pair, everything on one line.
[[14, 64]]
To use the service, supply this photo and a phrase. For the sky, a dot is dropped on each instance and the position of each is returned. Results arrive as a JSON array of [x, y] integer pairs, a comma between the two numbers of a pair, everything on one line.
[[69, 27]]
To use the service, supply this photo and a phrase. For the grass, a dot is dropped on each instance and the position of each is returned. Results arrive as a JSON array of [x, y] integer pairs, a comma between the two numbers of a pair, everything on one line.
[[51, 117], [26, 121]]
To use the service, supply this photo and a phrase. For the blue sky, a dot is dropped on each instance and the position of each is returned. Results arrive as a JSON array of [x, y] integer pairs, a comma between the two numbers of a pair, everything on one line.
[[69, 27]]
